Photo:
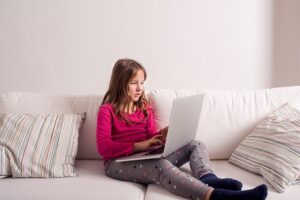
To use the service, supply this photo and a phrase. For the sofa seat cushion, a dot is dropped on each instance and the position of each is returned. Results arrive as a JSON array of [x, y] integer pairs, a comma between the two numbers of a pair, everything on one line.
[[225, 169], [91, 183]]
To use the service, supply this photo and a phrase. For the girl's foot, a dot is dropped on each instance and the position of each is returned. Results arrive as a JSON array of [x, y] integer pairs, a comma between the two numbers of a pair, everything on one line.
[[258, 193], [226, 183]]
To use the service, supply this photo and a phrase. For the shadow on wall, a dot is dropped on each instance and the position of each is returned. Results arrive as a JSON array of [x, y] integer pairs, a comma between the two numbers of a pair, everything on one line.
[[286, 43]]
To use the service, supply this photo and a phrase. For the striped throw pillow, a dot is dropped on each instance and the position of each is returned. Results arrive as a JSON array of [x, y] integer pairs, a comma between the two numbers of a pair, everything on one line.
[[273, 148], [36, 145]]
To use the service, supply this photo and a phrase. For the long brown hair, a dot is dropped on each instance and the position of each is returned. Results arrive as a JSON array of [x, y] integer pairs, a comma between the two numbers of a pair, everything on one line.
[[117, 93]]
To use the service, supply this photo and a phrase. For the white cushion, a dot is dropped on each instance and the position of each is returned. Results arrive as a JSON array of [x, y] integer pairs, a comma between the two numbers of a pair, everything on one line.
[[38, 145], [227, 116], [91, 184], [273, 148], [17, 102]]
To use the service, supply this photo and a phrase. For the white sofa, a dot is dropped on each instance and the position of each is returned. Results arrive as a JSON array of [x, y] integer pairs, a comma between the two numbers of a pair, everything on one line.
[[227, 118]]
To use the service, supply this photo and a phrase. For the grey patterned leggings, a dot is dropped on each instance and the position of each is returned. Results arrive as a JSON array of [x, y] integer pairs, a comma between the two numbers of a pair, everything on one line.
[[166, 173]]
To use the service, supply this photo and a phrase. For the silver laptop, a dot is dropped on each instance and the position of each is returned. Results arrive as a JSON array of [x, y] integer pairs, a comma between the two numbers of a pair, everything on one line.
[[183, 126]]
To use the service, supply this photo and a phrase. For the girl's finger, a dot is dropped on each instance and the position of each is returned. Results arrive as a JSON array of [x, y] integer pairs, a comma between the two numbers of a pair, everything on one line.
[[158, 141], [157, 137]]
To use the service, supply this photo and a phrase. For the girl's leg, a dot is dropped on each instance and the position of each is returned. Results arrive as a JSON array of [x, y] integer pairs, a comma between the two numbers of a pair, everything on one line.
[[197, 154], [159, 171]]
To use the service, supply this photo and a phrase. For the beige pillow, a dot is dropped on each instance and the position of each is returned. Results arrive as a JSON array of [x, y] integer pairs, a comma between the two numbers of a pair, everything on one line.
[[36, 145], [273, 148]]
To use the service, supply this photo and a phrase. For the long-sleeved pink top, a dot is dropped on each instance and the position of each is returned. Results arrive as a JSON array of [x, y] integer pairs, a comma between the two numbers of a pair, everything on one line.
[[115, 137]]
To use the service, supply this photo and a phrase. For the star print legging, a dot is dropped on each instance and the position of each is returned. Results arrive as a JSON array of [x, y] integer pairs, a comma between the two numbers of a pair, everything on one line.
[[165, 171]]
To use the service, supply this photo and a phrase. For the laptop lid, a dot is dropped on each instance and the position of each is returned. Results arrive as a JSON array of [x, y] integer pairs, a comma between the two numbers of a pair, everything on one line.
[[184, 122], [183, 127]]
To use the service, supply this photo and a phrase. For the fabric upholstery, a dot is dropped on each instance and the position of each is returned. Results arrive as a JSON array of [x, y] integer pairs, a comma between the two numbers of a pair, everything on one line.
[[90, 184], [227, 116], [35, 145], [273, 148], [35, 103]]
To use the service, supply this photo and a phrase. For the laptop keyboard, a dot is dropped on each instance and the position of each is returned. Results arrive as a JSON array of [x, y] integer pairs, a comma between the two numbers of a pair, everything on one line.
[[159, 150]]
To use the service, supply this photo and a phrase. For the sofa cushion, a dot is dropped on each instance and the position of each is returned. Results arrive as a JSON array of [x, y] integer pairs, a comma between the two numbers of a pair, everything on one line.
[[273, 148], [224, 169], [36, 145], [91, 183], [227, 116], [18, 102]]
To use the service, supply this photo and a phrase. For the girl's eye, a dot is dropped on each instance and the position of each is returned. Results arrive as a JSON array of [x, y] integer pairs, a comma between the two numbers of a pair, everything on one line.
[[134, 83]]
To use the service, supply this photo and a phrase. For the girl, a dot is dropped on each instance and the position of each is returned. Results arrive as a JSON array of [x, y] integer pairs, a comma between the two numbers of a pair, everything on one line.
[[125, 125]]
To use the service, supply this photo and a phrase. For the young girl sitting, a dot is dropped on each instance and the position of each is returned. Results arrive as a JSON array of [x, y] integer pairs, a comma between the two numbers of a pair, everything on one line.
[[125, 125]]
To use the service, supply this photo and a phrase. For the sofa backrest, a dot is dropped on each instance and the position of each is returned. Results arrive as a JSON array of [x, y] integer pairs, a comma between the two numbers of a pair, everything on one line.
[[18, 102], [227, 117]]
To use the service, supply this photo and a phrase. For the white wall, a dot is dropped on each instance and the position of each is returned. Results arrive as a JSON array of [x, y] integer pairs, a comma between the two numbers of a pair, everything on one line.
[[70, 46], [286, 43]]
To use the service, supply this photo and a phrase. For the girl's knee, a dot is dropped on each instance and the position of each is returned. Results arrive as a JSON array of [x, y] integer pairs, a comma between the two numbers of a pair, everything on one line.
[[198, 143], [163, 164], [195, 144]]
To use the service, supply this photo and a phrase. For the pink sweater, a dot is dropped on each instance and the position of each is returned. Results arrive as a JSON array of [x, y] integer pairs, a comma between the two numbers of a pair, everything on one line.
[[115, 138]]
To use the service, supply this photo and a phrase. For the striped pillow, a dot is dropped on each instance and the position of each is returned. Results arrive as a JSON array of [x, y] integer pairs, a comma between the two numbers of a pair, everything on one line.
[[273, 149], [36, 145]]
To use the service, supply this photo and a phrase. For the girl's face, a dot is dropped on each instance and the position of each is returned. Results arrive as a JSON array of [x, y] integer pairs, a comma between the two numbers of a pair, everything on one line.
[[136, 86]]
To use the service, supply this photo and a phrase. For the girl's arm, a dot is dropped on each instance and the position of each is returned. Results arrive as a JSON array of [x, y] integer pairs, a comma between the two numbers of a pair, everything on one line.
[[151, 128], [105, 145]]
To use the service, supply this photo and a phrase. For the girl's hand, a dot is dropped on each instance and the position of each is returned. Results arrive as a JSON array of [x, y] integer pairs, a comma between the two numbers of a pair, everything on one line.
[[163, 133], [144, 145]]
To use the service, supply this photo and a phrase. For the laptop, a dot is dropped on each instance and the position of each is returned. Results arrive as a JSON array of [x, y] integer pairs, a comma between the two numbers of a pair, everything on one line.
[[183, 127]]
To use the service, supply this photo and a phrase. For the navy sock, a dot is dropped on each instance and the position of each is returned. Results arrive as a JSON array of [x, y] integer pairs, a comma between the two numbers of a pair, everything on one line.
[[258, 193], [226, 183]]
